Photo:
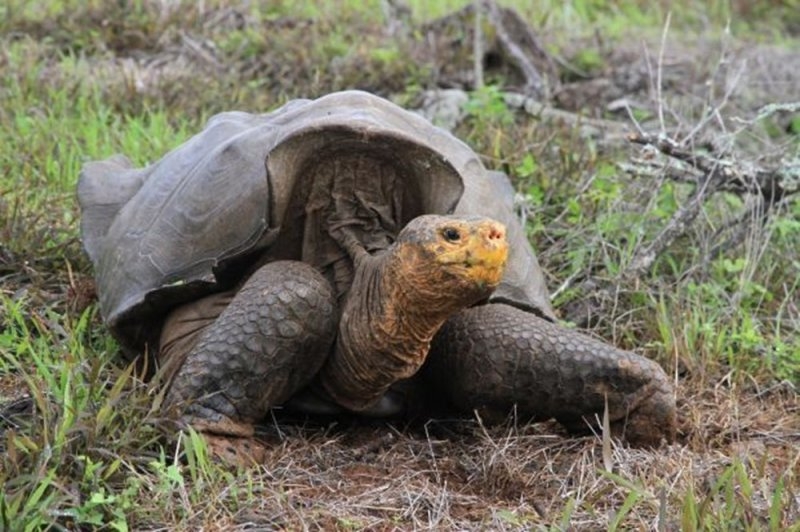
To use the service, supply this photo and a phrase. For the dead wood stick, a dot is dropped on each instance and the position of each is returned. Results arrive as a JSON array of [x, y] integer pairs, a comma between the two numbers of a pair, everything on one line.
[[677, 225], [478, 45], [728, 175], [533, 79], [716, 174]]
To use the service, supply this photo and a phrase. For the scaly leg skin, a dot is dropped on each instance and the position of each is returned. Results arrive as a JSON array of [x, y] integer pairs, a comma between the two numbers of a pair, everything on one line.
[[266, 345], [496, 356]]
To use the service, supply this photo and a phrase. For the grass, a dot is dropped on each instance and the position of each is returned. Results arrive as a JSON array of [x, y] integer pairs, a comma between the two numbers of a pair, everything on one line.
[[84, 445]]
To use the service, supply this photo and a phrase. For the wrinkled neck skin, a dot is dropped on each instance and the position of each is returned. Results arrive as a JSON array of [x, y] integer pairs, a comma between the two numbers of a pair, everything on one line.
[[398, 301]]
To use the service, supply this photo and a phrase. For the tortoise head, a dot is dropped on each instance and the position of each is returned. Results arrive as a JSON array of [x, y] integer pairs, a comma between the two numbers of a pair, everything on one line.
[[462, 257]]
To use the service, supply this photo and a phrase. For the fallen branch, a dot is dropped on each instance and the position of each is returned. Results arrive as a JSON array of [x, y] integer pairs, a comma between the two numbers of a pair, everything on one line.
[[520, 45], [714, 174], [483, 36], [446, 109], [729, 175], [766, 189]]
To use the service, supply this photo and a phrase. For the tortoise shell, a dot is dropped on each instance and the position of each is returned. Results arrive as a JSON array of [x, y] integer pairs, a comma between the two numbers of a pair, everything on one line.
[[252, 188]]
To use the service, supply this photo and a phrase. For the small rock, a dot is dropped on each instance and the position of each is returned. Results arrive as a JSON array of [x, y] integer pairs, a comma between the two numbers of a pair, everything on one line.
[[445, 108]]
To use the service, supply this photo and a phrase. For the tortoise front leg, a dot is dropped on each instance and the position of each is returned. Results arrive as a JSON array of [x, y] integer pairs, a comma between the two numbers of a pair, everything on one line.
[[496, 356], [265, 346]]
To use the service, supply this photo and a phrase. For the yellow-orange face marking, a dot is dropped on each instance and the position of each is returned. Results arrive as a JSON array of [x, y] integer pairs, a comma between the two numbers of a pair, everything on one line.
[[480, 247]]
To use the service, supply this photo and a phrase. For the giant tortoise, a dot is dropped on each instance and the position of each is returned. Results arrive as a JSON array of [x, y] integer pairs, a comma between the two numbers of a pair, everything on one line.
[[335, 255]]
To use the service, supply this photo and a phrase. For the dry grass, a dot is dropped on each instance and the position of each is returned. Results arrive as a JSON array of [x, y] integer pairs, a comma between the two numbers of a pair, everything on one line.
[[460, 474]]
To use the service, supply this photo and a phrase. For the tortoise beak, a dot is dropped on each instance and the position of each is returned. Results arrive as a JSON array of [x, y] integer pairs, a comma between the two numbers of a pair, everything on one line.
[[488, 252]]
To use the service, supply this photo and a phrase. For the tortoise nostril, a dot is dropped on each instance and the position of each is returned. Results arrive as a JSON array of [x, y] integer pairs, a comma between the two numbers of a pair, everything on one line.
[[495, 234]]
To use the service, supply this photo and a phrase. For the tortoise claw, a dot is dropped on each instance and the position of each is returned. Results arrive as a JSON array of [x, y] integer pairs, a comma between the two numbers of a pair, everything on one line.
[[235, 451], [229, 441], [652, 421]]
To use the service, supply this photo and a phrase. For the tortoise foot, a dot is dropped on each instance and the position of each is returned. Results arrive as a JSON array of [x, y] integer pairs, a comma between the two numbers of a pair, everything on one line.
[[651, 422]]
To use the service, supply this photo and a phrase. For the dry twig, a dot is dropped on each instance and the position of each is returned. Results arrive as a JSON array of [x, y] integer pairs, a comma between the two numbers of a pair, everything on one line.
[[712, 174], [498, 35]]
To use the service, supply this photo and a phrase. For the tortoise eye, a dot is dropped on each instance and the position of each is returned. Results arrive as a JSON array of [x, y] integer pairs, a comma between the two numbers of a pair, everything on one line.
[[450, 234]]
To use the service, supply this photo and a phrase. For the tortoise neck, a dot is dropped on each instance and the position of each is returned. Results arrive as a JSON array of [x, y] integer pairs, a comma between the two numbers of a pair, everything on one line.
[[394, 308], [401, 306], [416, 296]]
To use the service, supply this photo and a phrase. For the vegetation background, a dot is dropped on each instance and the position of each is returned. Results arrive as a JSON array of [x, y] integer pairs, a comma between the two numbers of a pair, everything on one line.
[[83, 445]]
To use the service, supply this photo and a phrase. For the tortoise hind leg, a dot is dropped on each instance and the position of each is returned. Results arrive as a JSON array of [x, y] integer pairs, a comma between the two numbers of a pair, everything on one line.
[[496, 356], [268, 343]]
